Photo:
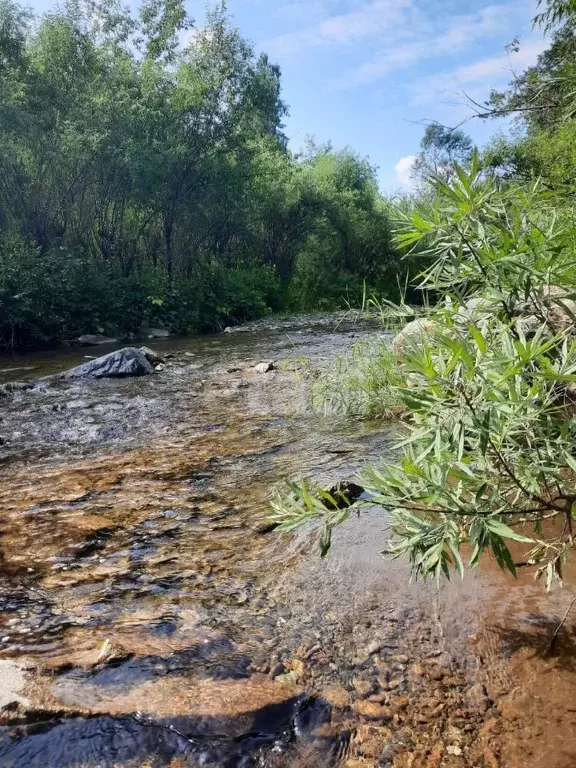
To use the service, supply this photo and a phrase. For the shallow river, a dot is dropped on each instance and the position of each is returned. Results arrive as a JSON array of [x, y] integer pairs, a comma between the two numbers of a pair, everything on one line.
[[151, 618]]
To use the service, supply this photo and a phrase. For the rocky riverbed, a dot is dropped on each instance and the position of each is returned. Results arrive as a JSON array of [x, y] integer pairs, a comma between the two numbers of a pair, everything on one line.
[[151, 618]]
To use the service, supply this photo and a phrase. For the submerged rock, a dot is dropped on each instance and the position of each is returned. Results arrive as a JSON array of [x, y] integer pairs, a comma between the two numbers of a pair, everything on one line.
[[153, 357], [15, 386], [344, 493], [264, 367], [155, 333], [129, 361], [93, 339], [12, 682], [412, 336]]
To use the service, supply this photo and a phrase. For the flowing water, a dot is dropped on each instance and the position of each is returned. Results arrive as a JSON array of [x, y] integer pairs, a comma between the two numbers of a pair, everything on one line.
[[149, 617]]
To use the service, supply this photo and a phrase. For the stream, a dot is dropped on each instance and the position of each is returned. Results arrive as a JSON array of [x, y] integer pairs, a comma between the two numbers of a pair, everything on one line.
[[149, 616]]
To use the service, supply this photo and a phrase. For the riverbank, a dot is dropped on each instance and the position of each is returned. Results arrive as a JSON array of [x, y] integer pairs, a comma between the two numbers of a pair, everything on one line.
[[158, 621]]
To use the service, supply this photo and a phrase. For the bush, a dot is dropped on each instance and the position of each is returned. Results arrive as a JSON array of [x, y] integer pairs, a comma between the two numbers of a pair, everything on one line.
[[489, 455]]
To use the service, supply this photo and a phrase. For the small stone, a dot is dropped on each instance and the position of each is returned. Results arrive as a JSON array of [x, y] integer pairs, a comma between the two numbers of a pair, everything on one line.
[[337, 696], [435, 673], [290, 678], [264, 367], [312, 651], [379, 698], [401, 658], [454, 749], [373, 647], [417, 670], [362, 687], [372, 710], [438, 709], [299, 667], [371, 748], [477, 699], [325, 731], [400, 703], [277, 670], [435, 757], [393, 684]]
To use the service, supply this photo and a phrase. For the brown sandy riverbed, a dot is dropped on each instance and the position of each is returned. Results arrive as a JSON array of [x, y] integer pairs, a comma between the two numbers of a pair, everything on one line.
[[154, 621]]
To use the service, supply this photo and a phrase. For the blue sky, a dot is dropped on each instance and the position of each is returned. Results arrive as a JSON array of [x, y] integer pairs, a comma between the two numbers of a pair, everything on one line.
[[366, 73]]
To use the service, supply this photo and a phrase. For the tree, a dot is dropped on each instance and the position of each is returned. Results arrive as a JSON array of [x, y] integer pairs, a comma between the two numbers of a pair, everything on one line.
[[146, 181], [440, 149]]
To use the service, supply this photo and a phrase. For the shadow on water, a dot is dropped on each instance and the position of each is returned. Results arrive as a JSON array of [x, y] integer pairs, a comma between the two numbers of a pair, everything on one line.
[[536, 634], [132, 740]]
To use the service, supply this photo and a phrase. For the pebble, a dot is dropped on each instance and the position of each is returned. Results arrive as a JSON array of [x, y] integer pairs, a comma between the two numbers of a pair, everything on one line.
[[373, 647], [264, 367], [372, 710], [362, 687], [477, 699], [312, 651], [454, 749], [435, 673], [298, 667], [277, 670], [371, 748], [288, 679], [383, 666], [337, 696], [326, 731], [453, 682], [379, 698], [400, 703]]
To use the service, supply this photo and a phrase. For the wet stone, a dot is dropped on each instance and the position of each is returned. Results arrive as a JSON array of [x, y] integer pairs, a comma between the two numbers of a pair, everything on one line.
[[372, 710], [362, 687], [337, 696]]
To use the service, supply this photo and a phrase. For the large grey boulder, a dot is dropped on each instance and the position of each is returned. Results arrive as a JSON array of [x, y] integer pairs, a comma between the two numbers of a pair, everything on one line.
[[129, 361]]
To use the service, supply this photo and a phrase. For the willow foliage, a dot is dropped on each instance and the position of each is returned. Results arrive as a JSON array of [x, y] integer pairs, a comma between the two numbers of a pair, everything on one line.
[[488, 392]]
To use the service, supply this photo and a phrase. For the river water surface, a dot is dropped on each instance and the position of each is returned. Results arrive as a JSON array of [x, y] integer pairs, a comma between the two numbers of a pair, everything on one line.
[[151, 617]]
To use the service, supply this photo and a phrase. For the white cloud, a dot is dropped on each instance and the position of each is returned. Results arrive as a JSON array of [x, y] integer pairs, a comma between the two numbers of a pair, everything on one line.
[[372, 20], [403, 171], [491, 72], [460, 33]]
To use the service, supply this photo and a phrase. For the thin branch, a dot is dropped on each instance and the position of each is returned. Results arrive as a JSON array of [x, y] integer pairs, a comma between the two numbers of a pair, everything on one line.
[[560, 625]]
